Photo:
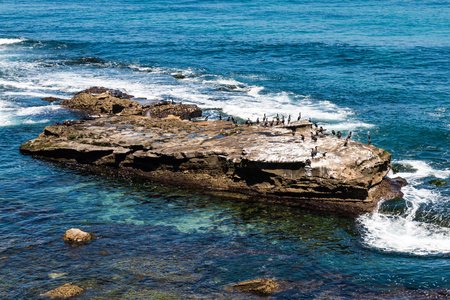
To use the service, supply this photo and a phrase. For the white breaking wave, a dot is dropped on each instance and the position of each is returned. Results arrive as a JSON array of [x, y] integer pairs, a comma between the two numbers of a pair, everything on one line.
[[404, 234], [211, 92], [36, 110], [4, 41], [422, 170], [6, 109], [348, 125], [251, 101], [242, 100], [28, 121], [11, 114]]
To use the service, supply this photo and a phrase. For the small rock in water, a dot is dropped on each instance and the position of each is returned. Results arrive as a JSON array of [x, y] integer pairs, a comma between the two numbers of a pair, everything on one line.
[[75, 236], [260, 287], [438, 182], [64, 292], [51, 99]]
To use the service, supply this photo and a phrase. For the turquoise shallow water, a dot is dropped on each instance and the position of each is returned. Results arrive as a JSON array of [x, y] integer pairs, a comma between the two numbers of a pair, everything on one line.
[[372, 67]]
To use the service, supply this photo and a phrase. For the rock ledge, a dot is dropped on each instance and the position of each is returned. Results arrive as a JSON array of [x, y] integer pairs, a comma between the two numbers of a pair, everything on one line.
[[277, 164]]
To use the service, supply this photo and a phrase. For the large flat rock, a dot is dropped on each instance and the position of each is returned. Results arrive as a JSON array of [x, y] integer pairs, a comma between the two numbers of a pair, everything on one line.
[[253, 163]]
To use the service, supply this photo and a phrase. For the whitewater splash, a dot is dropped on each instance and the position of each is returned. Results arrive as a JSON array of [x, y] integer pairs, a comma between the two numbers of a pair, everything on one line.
[[421, 170], [8, 41], [214, 93], [413, 230], [12, 115]]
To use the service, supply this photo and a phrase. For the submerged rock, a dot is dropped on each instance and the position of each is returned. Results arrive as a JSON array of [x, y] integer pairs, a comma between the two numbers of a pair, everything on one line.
[[76, 236], [438, 182], [64, 292], [260, 287], [250, 162], [55, 275], [168, 268]]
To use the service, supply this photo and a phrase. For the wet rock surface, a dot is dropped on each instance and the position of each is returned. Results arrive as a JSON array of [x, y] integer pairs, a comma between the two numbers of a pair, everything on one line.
[[64, 292], [164, 109], [75, 236], [99, 100], [260, 287], [51, 99], [294, 164]]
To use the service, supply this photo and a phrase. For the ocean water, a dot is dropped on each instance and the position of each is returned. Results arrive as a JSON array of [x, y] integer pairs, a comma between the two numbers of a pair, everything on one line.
[[372, 67]]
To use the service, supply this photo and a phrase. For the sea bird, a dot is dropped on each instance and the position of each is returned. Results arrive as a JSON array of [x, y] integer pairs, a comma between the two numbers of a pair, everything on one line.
[[313, 152], [339, 134], [370, 140], [333, 132], [349, 135], [299, 116]]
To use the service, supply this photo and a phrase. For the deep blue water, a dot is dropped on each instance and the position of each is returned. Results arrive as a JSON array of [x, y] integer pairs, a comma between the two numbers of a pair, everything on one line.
[[372, 67]]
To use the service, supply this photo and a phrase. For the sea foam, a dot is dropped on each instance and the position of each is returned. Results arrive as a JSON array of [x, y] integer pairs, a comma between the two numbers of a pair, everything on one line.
[[7, 41], [422, 170], [405, 233], [410, 232]]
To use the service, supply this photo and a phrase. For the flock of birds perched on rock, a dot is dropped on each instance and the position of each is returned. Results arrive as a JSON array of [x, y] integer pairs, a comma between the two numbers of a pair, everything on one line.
[[319, 130], [281, 121]]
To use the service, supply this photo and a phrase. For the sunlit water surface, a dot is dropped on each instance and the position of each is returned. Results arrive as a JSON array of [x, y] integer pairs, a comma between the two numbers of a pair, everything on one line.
[[372, 67]]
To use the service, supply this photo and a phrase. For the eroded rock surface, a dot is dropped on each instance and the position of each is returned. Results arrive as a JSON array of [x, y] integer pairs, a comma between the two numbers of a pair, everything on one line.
[[278, 164], [164, 109], [64, 292], [76, 236], [100, 100], [260, 287]]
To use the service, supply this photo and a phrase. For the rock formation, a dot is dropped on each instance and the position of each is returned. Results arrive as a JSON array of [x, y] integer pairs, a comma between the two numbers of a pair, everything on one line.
[[255, 163], [64, 292], [51, 99], [164, 109], [260, 287], [76, 236], [103, 103]]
